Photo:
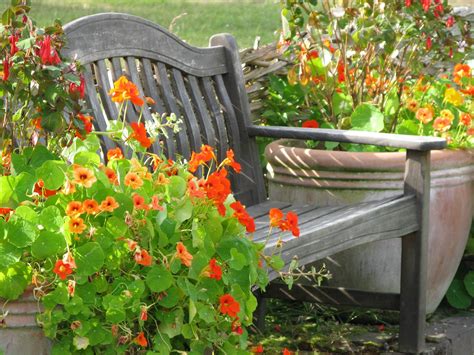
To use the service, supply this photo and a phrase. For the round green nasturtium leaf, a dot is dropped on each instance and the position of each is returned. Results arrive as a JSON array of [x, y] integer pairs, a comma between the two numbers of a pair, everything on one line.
[[87, 158], [48, 244], [9, 254], [51, 219], [213, 227], [184, 211], [20, 232], [367, 117], [115, 315], [27, 213], [171, 299], [13, 280], [116, 226], [171, 323], [469, 283], [457, 295], [177, 186], [52, 174], [159, 279], [89, 258]]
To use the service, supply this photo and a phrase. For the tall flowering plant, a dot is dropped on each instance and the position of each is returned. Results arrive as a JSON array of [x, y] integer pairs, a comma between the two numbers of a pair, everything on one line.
[[133, 255], [41, 92], [352, 60]]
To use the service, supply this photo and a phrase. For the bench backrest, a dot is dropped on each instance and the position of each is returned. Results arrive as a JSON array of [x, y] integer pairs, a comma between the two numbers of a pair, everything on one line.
[[204, 86]]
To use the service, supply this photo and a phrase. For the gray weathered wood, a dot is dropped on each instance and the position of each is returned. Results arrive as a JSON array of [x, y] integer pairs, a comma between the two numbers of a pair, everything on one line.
[[414, 255], [336, 296], [328, 230], [357, 137], [112, 35]]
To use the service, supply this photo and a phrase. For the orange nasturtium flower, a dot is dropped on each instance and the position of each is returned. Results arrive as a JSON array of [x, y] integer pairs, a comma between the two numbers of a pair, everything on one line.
[[142, 257], [83, 176], [141, 340], [74, 208], [139, 134], [115, 153], [139, 202], [447, 114], [412, 105], [228, 305], [133, 180], [91, 206], [124, 90], [205, 155], [461, 71], [276, 217], [111, 175], [441, 124], [424, 115], [76, 225], [62, 269], [109, 204], [258, 349], [183, 254]]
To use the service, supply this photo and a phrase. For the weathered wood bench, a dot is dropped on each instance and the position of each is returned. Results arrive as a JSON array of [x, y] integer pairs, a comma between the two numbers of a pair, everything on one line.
[[205, 86]]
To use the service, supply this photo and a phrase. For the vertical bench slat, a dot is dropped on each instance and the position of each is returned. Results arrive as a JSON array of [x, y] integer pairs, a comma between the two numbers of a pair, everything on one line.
[[202, 112], [99, 119], [231, 121], [181, 136], [194, 133], [104, 88], [218, 119], [150, 85], [132, 69]]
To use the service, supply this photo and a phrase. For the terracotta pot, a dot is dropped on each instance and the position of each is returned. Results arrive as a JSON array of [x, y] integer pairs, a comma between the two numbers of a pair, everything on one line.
[[20, 334], [331, 178]]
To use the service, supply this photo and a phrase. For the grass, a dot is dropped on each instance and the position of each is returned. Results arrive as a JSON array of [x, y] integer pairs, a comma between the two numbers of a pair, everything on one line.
[[195, 21]]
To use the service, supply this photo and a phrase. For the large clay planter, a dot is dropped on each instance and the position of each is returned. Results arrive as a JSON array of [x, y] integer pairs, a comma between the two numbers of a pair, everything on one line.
[[20, 334], [331, 178]]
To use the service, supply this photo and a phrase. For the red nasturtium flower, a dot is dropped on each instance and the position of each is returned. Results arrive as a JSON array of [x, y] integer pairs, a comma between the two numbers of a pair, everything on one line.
[[115, 153], [142, 257], [465, 119], [141, 340], [230, 161], [125, 90], [155, 203], [83, 176], [109, 204], [291, 224], [258, 349], [228, 305], [144, 313], [62, 269], [140, 135], [6, 69], [217, 188], [13, 39], [111, 175], [194, 190], [461, 71], [78, 90], [310, 124], [236, 326], [215, 271], [183, 254], [40, 190], [242, 215], [5, 212], [287, 352], [87, 122], [47, 53]]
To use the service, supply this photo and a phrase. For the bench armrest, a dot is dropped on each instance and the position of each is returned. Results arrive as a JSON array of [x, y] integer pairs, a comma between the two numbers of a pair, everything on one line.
[[420, 143]]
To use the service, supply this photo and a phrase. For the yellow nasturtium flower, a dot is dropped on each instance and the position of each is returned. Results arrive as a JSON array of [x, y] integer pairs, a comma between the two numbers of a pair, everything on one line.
[[454, 97]]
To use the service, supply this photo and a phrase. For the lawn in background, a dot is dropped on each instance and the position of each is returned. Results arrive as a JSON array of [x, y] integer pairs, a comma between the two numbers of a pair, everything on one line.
[[244, 19]]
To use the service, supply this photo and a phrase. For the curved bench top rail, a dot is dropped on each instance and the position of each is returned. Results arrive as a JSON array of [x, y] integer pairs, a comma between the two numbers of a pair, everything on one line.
[[110, 35]]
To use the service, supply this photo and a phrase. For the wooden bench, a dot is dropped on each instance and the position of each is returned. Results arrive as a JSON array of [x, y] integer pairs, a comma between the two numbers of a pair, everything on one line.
[[205, 86]]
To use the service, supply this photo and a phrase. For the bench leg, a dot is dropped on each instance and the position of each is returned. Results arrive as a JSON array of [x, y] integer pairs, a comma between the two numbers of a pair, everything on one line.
[[260, 312], [414, 256]]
